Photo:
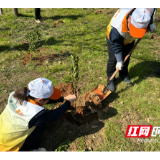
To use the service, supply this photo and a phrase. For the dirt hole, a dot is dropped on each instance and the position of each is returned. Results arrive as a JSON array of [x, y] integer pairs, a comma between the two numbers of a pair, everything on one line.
[[84, 110]]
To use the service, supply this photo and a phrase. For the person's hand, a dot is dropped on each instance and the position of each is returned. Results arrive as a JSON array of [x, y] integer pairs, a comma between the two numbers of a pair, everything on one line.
[[119, 65], [152, 28], [71, 97]]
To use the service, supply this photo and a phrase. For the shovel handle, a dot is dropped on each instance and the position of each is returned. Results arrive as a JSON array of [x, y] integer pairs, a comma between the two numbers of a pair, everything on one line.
[[129, 54]]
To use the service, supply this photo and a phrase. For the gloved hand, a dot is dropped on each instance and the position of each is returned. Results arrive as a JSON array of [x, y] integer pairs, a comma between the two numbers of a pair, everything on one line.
[[152, 28], [71, 97], [119, 65]]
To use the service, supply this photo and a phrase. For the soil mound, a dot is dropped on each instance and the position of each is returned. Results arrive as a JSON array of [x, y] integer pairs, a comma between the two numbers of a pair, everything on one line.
[[84, 110]]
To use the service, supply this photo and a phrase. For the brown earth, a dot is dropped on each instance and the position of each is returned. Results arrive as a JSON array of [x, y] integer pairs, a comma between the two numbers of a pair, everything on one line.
[[154, 37], [58, 23], [107, 12], [84, 129], [82, 110], [40, 59]]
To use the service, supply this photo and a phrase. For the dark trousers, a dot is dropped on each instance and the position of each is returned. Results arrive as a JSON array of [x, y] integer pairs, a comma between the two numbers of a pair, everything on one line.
[[37, 13], [33, 140], [111, 64]]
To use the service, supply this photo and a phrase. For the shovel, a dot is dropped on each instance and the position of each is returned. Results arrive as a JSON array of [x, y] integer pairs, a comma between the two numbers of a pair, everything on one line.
[[103, 91]]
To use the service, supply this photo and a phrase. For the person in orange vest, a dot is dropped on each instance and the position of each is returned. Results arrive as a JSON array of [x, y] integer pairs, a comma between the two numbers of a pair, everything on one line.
[[125, 26], [23, 121]]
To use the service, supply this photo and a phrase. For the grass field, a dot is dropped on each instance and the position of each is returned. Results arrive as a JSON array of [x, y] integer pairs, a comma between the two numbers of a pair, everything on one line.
[[63, 32]]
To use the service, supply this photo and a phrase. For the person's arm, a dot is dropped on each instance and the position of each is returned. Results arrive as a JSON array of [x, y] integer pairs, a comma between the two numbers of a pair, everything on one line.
[[116, 41], [153, 17], [61, 99], [151, 25], [47, 116]]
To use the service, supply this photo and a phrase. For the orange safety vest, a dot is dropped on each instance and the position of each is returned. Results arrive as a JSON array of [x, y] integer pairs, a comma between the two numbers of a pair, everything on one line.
[[119, 21]]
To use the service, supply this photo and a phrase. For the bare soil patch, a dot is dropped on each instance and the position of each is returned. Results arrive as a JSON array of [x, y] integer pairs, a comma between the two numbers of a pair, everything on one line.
[[59, 23], [40, 59], [87, 105]]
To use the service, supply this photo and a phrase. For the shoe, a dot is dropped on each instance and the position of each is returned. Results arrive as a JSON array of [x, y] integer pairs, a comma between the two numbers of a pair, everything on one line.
[[158, 71], [111, 86], [39, 149], [126, 79], [38, 21]]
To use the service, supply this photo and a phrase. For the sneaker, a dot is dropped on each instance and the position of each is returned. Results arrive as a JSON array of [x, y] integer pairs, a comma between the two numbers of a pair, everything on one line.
[[38, 21], [158, 71], [39, 149], [126, 79], [111, 86]]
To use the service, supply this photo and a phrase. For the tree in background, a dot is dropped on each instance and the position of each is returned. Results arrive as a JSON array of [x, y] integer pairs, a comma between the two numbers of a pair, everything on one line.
[[1, 11], [15, 11]]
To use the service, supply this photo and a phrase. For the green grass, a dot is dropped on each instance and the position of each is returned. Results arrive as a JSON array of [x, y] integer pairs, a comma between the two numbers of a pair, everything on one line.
[[88, 29]]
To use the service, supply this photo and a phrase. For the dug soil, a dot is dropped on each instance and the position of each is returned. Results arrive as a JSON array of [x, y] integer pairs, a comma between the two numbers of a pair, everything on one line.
[[82, 124], [82, 110], [40, 59]]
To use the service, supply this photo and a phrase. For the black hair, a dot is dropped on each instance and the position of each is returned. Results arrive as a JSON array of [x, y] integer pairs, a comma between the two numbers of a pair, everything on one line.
[[20, 95]]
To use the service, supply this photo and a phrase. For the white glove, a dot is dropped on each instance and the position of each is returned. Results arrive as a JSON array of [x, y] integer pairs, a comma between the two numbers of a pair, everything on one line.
[[71, 97], [152, 28], [119, 65]]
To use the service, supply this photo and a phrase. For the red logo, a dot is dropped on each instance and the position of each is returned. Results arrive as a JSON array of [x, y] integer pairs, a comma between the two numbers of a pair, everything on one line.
[[138, 131]]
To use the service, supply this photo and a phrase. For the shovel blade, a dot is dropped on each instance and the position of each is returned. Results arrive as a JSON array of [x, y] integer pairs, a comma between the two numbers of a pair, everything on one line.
[[99, 90]]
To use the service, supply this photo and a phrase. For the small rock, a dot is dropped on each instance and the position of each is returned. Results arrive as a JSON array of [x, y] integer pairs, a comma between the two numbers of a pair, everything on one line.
[[94, 136], [5, 91], [95, 126], [151, 37], [89, 107], [121, 102], [90, 148], [46, 62]]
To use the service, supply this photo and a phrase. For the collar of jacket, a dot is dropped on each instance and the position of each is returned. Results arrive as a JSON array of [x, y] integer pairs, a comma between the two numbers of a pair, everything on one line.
[[32, 101]]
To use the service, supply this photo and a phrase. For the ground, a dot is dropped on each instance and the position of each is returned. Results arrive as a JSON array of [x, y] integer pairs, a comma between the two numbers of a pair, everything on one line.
[[89, 127]]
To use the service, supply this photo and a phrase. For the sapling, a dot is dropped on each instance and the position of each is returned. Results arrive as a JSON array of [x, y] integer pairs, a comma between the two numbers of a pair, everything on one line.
[[75, 71], [32, 38]]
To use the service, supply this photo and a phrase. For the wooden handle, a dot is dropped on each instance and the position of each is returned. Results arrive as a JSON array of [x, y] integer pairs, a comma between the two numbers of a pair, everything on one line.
[[130, 52]]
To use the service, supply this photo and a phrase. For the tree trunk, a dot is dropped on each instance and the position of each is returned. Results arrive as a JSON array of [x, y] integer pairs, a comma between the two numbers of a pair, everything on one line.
[[154, 15], [1, 11], [15, 11]]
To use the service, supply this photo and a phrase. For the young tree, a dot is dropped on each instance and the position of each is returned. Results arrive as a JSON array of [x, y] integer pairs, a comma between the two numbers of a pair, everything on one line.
[[15, 11], [1, 11]]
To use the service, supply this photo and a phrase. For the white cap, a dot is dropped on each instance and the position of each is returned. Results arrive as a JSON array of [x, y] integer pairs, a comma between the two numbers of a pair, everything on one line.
[[140, 19], [42, 88]]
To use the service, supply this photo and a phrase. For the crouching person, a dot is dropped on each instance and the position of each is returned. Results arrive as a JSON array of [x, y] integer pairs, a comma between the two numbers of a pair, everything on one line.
[[24, 120]]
